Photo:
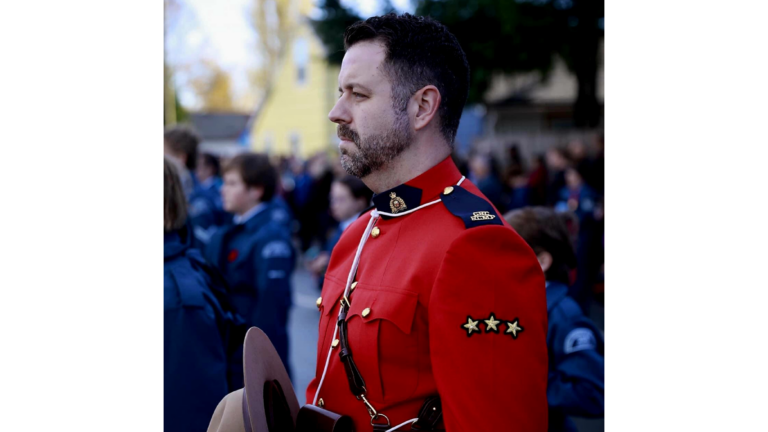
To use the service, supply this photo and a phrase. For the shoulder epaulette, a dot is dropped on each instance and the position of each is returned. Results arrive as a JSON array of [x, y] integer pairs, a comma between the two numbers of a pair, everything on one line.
[[472, 209]]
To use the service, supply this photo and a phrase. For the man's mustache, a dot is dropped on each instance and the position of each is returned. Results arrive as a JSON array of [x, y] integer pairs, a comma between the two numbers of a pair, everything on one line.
[[346, 133]]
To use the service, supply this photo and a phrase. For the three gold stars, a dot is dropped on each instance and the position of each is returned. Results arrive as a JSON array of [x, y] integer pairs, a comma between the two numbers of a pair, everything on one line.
[[492, 325]]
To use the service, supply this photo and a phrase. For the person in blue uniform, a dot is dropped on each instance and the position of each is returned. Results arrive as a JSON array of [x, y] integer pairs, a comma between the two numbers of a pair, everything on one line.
[[254, 252], [206, 212], [200, 368], [576, 369]]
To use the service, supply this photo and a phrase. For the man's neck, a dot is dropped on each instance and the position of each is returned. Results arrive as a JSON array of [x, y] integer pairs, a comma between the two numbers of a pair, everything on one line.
[[415, 160]]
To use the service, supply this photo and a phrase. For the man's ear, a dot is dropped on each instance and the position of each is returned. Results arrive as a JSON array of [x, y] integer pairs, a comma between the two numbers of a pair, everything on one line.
[[545, 260], [427, 101]]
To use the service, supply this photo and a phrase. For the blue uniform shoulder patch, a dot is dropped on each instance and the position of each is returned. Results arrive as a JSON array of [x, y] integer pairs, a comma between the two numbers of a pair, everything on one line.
[[472, 209], [579, 339]]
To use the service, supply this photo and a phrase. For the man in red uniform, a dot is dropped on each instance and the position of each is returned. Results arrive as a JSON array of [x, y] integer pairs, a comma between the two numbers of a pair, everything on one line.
[[439, 296]]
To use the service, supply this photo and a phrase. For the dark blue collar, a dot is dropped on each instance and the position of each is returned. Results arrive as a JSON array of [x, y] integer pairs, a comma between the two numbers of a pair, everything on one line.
[[260, 219], [398, 199]]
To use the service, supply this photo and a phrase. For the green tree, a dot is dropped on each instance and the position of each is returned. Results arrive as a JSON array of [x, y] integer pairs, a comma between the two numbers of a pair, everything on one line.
[[330, 28], [506, 36]]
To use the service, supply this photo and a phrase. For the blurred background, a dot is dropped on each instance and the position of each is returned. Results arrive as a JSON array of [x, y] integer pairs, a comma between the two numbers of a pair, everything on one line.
[[261, 75]]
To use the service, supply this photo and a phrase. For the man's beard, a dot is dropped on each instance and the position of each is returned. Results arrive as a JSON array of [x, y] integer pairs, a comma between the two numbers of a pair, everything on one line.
[[377, 149]]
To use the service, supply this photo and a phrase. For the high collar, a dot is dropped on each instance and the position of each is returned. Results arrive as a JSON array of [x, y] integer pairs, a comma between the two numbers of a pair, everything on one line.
[[419, 190]]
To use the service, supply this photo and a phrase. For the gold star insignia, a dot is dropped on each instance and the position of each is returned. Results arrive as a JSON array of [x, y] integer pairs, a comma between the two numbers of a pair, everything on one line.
[[491, 323], [513, 328], [471, 326]]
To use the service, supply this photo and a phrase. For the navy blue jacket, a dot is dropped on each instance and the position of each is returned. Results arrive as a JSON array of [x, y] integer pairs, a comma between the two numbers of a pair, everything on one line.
[[257, 260], [196, 327], [576, 368]]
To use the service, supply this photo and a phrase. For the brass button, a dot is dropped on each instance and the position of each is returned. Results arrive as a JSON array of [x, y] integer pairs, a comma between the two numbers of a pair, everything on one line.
[[335, 343], [319, 302], [448, 190], [375, 233], [366, 312], [354, 284], [320, 403]]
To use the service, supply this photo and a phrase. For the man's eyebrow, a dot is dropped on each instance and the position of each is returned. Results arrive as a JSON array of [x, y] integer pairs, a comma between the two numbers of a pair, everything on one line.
[[353, 85]]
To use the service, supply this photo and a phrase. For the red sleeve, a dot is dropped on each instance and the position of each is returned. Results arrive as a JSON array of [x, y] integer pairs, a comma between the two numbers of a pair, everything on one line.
[[490, 380]]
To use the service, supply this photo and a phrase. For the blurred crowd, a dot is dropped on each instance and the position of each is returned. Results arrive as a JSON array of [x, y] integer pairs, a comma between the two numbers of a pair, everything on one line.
[[568, 179], [236, 228]]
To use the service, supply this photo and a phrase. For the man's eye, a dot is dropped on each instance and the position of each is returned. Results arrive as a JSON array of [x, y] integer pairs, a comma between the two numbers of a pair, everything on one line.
[[358, 95]]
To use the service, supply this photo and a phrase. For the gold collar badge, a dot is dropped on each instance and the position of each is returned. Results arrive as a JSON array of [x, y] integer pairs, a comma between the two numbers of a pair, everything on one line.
[[396, 203]]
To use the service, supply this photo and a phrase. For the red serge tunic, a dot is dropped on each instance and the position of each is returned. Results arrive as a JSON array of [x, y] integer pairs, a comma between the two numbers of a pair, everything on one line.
[[448, 300]]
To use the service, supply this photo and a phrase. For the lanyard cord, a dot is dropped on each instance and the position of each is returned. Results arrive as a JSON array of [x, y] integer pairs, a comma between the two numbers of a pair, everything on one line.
[[352, 272]]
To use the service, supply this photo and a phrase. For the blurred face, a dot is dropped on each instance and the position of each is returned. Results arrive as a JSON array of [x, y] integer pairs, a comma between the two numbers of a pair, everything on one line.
[[555, 160], [236, 197], [372, 132], [343, 203], [572, 178]]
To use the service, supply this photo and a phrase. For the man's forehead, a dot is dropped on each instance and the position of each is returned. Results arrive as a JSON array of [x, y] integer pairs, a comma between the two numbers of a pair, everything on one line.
[[361, 63]]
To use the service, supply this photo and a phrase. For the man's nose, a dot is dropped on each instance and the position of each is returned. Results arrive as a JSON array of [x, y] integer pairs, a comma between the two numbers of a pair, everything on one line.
[[339, 113]]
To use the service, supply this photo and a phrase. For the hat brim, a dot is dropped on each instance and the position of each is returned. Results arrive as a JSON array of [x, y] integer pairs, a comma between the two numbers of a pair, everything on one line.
[[269, 394]]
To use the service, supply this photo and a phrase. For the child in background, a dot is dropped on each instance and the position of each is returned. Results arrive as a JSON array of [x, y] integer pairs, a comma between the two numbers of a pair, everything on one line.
[[576, 369], [254, 252]]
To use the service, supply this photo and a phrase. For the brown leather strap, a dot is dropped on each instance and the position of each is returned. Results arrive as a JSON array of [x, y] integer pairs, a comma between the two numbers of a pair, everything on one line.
[[354, 377]]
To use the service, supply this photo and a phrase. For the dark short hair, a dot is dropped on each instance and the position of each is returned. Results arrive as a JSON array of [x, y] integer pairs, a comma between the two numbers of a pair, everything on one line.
[[546, 231], [183, 139], [357, 187], [256, 171], [213, 162], [419, 51]]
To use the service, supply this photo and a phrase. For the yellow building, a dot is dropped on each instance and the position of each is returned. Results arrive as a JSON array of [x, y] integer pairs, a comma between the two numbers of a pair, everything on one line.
[[294, 119]]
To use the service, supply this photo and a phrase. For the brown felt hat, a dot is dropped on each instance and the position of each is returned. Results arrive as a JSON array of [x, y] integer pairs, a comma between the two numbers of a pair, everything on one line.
[[268, 402]]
